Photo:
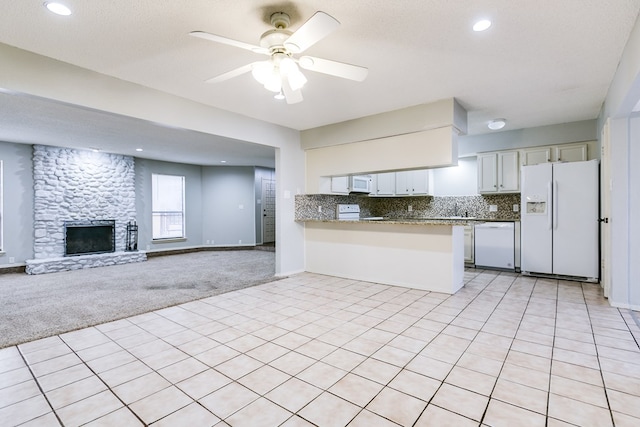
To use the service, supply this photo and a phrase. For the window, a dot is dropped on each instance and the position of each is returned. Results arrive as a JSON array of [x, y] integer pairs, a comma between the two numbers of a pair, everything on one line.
[[167, 204]]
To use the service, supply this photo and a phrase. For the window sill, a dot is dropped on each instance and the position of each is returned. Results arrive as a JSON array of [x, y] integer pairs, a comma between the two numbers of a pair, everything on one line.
[[170, 240]]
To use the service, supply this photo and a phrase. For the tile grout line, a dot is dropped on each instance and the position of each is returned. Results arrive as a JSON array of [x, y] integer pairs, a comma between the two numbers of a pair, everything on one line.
[[35, 379]]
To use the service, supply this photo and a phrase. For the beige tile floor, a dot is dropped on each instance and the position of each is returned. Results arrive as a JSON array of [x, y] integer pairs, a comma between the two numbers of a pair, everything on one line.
[[506, 350]]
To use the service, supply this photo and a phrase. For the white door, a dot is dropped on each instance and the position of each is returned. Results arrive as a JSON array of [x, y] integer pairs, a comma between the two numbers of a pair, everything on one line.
[[575, 219], [605, 208], [268, 210], [535, 219]]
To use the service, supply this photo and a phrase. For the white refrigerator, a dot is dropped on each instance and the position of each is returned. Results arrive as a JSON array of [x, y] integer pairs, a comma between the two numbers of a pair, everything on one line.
[[559, 220]]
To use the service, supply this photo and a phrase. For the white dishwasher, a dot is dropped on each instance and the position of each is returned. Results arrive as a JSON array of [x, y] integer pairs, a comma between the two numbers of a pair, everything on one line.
[[495, 245]]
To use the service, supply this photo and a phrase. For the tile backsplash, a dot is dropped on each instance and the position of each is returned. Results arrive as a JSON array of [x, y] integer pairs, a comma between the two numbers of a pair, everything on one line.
[[323, 206]]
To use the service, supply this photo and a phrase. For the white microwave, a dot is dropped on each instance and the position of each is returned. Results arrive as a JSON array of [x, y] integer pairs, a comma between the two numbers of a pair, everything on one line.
[[360, 184]]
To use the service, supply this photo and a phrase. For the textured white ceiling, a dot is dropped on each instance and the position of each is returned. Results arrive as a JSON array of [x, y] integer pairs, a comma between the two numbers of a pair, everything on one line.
[[542, 62]]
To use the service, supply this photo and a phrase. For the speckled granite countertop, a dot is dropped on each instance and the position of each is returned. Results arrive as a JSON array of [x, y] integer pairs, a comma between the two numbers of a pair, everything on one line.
[[413, 221]]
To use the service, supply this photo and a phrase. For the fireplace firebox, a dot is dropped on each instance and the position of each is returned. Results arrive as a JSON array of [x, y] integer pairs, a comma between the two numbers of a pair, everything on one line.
[[89, 237]]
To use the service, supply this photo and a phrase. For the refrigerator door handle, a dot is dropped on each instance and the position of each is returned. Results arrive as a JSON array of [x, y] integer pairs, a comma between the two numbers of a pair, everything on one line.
[[549, 223], [555, 205]]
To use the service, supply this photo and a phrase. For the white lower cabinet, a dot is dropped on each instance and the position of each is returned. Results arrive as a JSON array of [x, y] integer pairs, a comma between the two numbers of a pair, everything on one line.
[[468, 244]]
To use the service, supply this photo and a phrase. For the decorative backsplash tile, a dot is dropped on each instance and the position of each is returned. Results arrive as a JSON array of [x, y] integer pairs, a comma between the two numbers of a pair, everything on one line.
[[323, 207]]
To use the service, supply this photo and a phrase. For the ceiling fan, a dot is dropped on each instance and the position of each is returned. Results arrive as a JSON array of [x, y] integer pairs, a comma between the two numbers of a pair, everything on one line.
[[280, 73]]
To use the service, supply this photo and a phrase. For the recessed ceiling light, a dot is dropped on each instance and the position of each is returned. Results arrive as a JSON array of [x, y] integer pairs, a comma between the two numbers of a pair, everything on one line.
[[481, 25], [223, 161], [57, 8], [138, 149], [497, 124]]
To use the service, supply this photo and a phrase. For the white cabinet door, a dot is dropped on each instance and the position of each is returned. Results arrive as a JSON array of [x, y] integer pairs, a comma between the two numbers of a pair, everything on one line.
[[412, 183], [385, 184], [340, 184], [468, 244], [487, 173], [535, 156], [403, 183], [571, 153], [420, 182], [508, 172]]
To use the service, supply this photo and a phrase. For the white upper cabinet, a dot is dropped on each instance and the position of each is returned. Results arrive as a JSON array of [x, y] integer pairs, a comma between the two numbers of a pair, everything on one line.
[[414, 183], [385, 184], [498, 172], [554, 153], [535, 156], [487, 173], [340, 184], [508, 172], [571, 153]]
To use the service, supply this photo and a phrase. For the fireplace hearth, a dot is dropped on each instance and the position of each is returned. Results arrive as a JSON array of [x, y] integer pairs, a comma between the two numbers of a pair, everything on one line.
[[89, 237]]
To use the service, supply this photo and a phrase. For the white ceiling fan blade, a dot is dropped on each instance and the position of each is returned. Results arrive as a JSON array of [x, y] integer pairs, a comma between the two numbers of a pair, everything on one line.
[[231, 74], [315, 29], [230, 42], [334, 68], [292, 96]]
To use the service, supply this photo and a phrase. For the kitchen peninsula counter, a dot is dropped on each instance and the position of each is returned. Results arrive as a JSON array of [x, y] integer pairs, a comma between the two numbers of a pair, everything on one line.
[[425, 254]]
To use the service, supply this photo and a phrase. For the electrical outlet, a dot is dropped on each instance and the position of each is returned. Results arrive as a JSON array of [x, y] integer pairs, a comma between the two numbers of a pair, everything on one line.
[[239, 242], [319, 209], [493, 208], [208, 242], [12, 260], [516, 208], [409, 208]]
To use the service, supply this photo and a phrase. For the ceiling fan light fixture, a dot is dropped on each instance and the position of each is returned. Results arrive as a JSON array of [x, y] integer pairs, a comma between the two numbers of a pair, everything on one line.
[[57, 8], [497, 124], [261, 71], [481, 25], [274, 81], [296, 80]]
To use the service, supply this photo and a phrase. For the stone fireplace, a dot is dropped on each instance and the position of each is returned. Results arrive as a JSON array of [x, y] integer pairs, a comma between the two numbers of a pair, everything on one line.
[[89, 237], [72, 186]]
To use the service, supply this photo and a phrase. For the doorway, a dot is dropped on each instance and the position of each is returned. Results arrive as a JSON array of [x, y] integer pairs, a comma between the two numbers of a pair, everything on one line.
[[268, 211]]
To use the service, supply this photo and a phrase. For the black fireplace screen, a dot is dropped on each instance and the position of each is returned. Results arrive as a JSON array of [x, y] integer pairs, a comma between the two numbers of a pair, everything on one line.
[[89, 237]]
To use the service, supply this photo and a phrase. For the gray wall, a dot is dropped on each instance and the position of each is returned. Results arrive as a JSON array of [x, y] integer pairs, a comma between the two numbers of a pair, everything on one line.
[[531, 137], [193, 203], [228, 205], [17, 210], [213, 197]]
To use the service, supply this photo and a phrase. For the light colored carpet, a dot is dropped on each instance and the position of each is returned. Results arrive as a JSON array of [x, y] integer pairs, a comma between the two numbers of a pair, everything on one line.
[[33, 307]]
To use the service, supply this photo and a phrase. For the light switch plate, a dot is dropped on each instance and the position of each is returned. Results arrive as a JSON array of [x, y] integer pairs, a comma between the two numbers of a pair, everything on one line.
[[516, 208]]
